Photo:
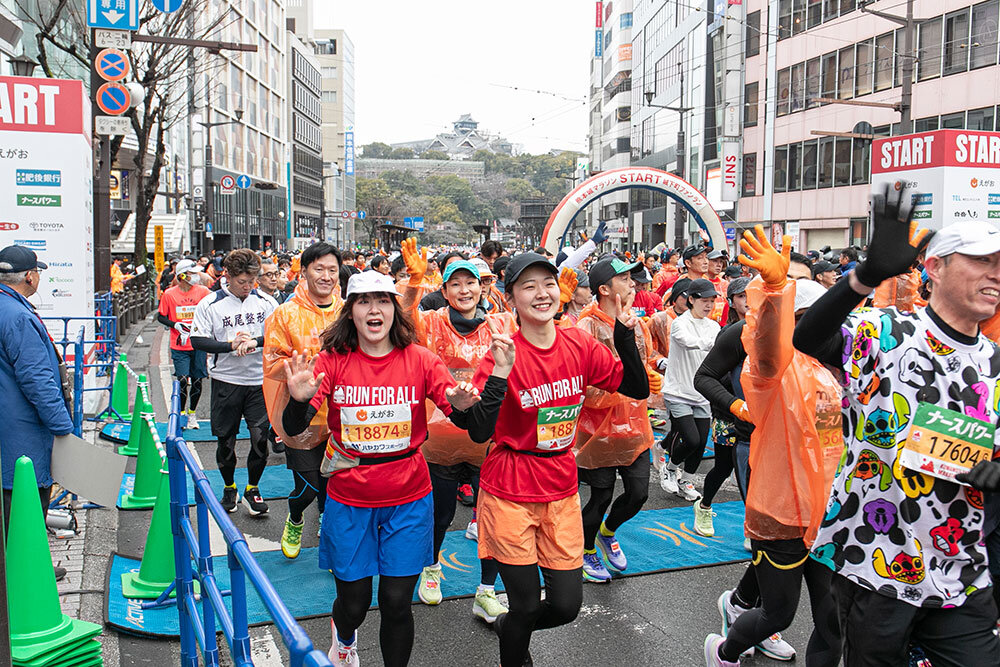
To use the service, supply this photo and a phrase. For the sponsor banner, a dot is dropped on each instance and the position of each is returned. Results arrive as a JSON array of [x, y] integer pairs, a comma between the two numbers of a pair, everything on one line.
[[940, 148], [39, 200], [730, 170], [39, 177], [28, 104]]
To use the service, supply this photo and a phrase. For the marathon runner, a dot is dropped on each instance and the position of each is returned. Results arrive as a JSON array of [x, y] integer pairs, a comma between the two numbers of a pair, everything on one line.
[[177, 307], [904, 526]]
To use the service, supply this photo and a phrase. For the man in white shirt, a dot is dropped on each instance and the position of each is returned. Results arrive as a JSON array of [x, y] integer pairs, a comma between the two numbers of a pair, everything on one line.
[[229, 326]]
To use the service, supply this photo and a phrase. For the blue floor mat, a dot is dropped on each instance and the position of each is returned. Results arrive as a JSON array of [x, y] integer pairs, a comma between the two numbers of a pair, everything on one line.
[[655, 541], [276, 482], [118, 432]]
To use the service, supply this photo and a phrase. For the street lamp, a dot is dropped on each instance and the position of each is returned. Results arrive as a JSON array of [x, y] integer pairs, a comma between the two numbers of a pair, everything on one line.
[[680, 214], [208, 234], [22, 65]]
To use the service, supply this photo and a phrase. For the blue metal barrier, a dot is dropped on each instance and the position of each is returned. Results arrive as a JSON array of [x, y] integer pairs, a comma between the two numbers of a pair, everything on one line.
[[193, 543], [104, 357]]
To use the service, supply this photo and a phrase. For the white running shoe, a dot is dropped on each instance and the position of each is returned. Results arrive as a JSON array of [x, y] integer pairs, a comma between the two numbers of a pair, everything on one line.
[[746, 544], [729, 613], [192, 420], [343, 655], [486, 605], [429, 588], [712, 659], [686, 490], [777, 648], [472, 530], [668, 480]]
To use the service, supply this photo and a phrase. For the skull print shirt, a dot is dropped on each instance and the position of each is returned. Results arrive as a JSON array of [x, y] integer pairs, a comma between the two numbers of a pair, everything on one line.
[[890, 529]]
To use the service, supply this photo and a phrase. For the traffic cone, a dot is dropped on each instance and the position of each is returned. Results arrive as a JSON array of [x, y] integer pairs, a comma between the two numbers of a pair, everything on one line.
[[146, 484], [140, 407], [156, 572], [119, 390], [38, 628]]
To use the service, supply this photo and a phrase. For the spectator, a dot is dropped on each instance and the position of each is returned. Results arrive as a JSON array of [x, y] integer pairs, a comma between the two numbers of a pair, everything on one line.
[[35, 401], [848, 258], [117, 276]]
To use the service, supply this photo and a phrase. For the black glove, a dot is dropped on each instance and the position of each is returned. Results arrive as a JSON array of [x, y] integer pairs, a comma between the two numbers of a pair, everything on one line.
[[895, 242], [984, 476]]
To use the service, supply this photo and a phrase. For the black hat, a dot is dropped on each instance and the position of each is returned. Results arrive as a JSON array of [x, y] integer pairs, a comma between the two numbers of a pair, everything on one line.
[[20, 259], [606, 269], [692, 251], [519, 263], [733, 271], [716, 254], [738, 286], [822, 266], [679, 289], [701, 289], [641, 276], [500, 264]]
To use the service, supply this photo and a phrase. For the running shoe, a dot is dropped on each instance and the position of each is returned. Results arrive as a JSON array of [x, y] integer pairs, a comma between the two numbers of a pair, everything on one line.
[[594, 569], [341, 654], [230, 498], [686, 490], [291, 538], [612, 551], [729, 613], [466, 495], [746, 544], [472, 530], [192, 420], [712, 659], [655, 421], [253, 502], [668, 480], [487, 607], [777, 648], [703, 524], [429, 588]]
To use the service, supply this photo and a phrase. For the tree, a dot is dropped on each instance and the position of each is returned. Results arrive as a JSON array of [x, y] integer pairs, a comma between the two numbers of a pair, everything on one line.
[[401, 154], [519, 189], [376, 197], [456, 189], [376, 149], [161, 69], [403, 182], [440, 209], [435, 155]]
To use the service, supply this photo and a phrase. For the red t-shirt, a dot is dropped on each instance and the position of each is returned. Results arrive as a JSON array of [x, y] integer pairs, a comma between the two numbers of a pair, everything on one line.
[[645, 304], [376, 408], [545, 392], [178, 306]]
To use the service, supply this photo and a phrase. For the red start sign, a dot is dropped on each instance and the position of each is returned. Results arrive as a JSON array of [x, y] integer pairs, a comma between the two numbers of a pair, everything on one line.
[[941, 148]]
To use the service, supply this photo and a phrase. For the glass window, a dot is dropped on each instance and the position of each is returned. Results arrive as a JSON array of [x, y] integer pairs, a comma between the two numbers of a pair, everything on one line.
[[925, 124], [861, 161], [781, 169], [864, 67], [625, 21], [826, 162], [330, 96], [753, 34], [749, 174], [953, 121], [784, 18], [846, 85], [750, 102], [814, 13], [984, 34], [810, 151], [980, 119], [831, 9], [929, 49], [794, 167], [812, 83], [829, 85], [897, 78], [842, 168], [798, 85], [798, 16], [883, 61], [783, 92], [847, 6], [956, 42]]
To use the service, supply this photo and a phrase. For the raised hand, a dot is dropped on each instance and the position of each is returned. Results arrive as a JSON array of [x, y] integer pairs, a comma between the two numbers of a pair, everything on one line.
[[761, 255], [299, 377], [567, 285], [502, 347], [895, 241], [601, 233], [462, 396], [416, 260], [625, 315]]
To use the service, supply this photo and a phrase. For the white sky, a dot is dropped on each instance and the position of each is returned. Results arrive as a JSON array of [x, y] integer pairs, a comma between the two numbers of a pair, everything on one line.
[[420, 65]]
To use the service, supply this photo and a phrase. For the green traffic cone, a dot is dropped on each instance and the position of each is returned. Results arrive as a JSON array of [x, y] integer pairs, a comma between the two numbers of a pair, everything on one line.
[[82, 654], [156, 572], [146, 484], [140, 407], [119, 390], [37, 624]]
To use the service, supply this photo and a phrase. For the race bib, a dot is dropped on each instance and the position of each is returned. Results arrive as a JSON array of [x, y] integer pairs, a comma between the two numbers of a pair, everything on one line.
[[376, 429], [185, 313], [557, 427], [943, 443]]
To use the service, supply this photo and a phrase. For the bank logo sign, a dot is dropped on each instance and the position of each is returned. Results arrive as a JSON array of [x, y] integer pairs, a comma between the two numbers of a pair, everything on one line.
[[993, 199], [41, 177]]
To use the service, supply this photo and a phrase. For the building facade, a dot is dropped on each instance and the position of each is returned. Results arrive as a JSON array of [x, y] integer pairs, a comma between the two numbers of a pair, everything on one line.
[[304, 118], [335, 56]]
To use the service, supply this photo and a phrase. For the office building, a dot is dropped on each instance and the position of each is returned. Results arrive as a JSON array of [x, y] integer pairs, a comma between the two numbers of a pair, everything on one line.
[[304, 117], [335, 55]]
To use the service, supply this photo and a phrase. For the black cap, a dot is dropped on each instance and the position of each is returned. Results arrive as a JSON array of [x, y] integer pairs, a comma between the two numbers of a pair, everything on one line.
[[822, 266], [606, 269], [692, 251], [519, 263], [500, 264], [738, 286], [679, 289], [20, 259], [716, 254], [733, 271], [641, 276], [701, 289]]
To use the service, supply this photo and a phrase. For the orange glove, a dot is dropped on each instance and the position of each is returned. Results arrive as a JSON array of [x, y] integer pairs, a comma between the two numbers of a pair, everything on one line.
[[740, 410], [761, 255], [655, 381], [416, 261], [567, 285]]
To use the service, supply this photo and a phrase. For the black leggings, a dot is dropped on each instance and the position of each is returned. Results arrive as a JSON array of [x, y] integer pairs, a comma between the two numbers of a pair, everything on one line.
[[195, 394], [624, 508], [308, 486], [779, 593], [394, 597], [725, 463], [445, 495], [690, 447], [528, 612], [225, 456]]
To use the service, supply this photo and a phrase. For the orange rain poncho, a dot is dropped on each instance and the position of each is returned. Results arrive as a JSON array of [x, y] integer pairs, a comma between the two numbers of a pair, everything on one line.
[[446, 443], [659, 329], [295, 326], [613, 429], [668, 273], [900, 292], [795, 404]]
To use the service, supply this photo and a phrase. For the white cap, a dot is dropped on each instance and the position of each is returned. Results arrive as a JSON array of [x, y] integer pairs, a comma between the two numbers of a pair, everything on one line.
[[188, 266], [807, 292], [481, 266], [368, 282], [967, 237]]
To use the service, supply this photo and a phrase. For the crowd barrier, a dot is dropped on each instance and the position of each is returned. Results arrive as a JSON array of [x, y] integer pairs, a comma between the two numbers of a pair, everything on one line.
[[192, 542]]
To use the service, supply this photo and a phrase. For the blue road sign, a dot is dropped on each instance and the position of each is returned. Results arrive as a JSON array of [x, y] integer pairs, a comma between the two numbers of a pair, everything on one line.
[[168, 5], [112, 65], [113, 14], [113, 98], [243, 181], [731, 233], [362, 214]]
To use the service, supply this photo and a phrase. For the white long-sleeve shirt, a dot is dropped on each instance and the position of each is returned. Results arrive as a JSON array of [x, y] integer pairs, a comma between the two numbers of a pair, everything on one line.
[[690, 341]]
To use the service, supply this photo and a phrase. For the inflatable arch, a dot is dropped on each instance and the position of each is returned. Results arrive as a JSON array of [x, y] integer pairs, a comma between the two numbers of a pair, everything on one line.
[[595, 187]]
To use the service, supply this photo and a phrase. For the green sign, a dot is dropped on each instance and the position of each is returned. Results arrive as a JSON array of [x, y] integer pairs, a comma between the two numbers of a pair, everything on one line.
[[39, 200], [994, 214], [922, 214]]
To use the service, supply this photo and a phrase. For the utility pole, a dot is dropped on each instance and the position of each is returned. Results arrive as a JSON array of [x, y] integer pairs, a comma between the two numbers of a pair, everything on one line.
[[680, 213], [906, 96], [102, 185]]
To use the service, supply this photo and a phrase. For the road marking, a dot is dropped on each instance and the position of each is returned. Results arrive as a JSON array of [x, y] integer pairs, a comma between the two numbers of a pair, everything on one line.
[[264, 650]]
